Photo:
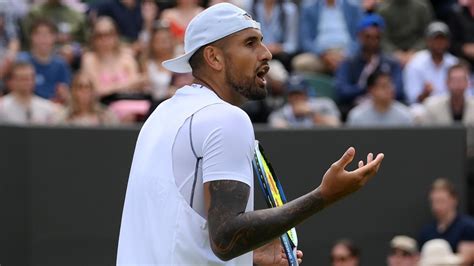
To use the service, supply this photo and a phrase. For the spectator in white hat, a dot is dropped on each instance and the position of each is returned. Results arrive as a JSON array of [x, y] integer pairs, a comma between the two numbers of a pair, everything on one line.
[[437, 252], [403, 251]]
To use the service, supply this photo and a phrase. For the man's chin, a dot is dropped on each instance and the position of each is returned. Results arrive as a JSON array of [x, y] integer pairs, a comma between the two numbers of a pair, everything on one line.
[[259, 94]]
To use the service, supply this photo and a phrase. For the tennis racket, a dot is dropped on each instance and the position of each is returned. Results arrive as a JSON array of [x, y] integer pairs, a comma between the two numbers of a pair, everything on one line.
[[274, 197]]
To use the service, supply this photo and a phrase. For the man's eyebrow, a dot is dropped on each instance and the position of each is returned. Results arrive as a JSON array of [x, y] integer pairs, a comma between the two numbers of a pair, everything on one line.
[[254, 38]]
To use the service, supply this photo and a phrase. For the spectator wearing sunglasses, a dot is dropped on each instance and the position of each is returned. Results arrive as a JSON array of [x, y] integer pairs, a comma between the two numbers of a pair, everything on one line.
[[403, 251], [345, 253]]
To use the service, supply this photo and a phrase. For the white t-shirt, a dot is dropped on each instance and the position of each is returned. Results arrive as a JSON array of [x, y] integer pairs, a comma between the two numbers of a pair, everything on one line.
[[222, 135], [159, 227], [421, 69]]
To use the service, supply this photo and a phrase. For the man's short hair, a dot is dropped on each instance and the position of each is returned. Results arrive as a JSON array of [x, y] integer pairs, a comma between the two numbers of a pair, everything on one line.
[[197, 59], [18, 65], [350, 245], [444, 184], [372, 79], [461, 65], [43, 22]]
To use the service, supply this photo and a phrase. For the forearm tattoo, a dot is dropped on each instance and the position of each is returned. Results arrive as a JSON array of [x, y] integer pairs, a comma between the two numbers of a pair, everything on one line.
[[234, 232]]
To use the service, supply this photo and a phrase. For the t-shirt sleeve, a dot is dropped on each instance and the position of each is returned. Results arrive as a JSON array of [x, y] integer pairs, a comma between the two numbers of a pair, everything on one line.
[[468, 232], [227, 139]]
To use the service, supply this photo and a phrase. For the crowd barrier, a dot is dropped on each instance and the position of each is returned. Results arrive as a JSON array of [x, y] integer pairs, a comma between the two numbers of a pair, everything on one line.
[[62, 189]]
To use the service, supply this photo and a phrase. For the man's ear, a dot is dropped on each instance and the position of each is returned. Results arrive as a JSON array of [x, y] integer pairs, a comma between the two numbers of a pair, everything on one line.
[[214, 57]]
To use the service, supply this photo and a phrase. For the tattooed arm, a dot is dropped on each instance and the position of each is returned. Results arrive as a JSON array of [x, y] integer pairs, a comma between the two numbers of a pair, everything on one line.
[[233, 231]]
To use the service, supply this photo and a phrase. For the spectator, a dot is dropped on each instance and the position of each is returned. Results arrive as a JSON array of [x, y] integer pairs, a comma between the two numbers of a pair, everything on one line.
[[53, 74], [279, 25], [161, 47], [114, 71], [449, 224], [180, 16], [425, 74], [71, 26], [461, 23], [437, 252], [345, 253], [109, 64], [21, 106], [406, 21], [9, 43], [84, 108], [403, 252], [150, 11], [328, 31], [381, 109], [351, 76], [303, 111], [70, 23], [456, 106], [127, 15]]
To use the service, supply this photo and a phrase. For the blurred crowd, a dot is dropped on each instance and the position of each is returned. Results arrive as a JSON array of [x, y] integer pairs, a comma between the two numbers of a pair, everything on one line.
[[335, 62], [447, 241]]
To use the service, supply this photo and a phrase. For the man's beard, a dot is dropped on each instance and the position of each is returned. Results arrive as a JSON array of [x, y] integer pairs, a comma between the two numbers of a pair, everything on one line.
[[247, 87]]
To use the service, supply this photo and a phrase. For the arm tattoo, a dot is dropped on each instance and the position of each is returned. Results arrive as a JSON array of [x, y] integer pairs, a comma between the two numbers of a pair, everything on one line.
[[234, 232]]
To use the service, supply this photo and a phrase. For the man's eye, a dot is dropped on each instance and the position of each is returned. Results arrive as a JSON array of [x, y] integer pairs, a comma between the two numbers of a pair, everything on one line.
[[250, 43]]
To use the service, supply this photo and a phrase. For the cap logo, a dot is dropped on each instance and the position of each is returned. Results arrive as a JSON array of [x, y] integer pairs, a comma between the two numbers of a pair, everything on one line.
[[247, 16]]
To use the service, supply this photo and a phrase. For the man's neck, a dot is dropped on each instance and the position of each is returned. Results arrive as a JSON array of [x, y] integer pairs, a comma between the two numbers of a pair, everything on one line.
[[382, 107], [221, 89], [367, 55], [446, 221], [437, 58], [42, 56], [22, 98]]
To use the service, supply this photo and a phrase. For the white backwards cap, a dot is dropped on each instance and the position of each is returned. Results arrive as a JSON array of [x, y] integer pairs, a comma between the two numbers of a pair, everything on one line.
[[212, 24]]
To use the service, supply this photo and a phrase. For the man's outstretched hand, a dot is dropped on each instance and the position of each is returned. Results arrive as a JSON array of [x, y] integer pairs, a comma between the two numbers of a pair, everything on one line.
[[338, 182]]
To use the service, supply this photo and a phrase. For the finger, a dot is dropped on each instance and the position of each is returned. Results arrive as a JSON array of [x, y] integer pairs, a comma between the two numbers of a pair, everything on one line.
[[361, 163], [370, 157], [346, 158], [378, 165], [373, 166], [299, 254]]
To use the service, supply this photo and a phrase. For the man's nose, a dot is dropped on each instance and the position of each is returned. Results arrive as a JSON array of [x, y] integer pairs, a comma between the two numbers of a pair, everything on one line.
[[266, 55]]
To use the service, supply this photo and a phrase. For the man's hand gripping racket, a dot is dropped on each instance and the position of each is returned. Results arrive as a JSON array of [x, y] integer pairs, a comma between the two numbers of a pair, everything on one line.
[[274, 197]]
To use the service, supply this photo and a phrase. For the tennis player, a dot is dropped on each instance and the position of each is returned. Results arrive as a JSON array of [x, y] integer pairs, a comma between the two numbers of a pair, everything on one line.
[[189, 198]]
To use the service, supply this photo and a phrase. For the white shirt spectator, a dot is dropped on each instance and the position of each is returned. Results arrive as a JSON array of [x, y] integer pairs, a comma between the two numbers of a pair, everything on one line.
[[421, 70], [437, 111], [39, 111], [365, 114]]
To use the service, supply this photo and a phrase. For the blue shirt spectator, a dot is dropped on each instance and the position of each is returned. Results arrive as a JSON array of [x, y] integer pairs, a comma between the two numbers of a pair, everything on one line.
[[281, 27], [48, 75], [461, 229], [351, 76], [329, 24], [448, 223]]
